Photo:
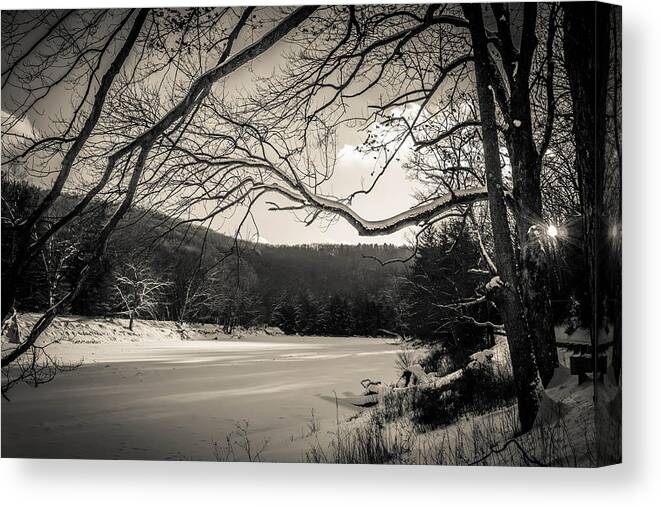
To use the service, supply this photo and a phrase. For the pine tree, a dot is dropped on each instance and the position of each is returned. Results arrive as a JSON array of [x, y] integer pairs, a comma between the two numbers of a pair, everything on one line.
[[441, 277]]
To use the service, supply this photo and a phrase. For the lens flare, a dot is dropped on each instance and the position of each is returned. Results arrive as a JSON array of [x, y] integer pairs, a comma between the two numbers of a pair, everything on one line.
[[552, 231]]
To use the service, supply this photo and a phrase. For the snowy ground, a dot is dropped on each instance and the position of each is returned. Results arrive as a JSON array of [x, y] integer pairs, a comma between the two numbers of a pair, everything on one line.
[[562, 436], [164, 391], [151, 395]]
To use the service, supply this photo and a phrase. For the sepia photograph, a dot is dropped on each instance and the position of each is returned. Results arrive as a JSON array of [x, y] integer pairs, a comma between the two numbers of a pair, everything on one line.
[[340, 234]]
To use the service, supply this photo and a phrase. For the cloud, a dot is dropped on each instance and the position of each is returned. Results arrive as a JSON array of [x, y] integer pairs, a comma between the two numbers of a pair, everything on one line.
[[351, 153], [15, 134], [407, 111], [17, 127]]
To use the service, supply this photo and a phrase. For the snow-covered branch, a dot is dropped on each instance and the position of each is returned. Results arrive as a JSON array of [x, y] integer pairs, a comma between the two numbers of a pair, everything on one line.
[[415, 216]]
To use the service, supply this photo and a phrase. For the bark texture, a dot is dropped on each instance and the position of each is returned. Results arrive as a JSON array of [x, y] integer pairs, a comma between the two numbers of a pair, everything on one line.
[[526, 377], [526, 161]]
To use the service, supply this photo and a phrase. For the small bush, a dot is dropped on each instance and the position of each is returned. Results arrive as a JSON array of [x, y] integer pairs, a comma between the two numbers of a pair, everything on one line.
[[404, 360], [479, 390], [486, 388], [432, 408], [396, 404], [443, 361]]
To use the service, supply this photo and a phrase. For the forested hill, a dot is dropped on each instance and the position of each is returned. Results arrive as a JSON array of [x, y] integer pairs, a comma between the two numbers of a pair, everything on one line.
[[338, 269], [208, 276], [316, 268]]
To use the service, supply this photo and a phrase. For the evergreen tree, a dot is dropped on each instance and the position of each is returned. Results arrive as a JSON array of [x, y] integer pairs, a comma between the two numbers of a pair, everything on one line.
[[440, 277], [283, 315]]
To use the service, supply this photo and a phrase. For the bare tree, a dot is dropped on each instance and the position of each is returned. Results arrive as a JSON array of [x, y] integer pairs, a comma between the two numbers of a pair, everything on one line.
[[139, 291], [125, 153], [468, 89], [440, 56], [57, 256], [526, 376], [27, 247]]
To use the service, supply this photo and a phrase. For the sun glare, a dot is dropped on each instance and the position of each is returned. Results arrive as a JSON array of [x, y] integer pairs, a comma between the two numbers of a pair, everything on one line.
[[552, 231]]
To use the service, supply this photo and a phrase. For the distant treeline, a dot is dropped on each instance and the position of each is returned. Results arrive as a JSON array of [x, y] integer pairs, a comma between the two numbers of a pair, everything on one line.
[[158, 268], [205, 276], [361, 314]]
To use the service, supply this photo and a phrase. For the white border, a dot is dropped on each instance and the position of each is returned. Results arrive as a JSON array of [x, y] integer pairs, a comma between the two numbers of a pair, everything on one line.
[[636, 482]]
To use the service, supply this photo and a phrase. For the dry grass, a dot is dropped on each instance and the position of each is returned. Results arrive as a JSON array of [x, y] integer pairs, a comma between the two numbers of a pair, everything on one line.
[[464, 426], [368, 442], [239, 446], [489, 440]]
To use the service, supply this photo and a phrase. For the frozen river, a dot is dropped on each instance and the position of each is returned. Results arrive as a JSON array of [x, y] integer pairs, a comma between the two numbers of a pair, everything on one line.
[[172, 400]]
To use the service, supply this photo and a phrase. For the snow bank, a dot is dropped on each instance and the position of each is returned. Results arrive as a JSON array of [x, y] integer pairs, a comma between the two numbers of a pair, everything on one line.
[[565, 436], [78, 329]]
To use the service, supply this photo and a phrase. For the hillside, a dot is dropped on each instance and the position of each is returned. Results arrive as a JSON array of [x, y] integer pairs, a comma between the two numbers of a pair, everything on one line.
[[232, 282]]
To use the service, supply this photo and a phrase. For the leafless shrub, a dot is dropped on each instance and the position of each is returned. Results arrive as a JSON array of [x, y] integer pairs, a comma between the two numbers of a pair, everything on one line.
[[239, 446], [34, 368], [313, 424]]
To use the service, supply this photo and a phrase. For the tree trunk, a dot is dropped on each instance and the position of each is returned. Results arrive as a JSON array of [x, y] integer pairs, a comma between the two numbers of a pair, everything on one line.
[[131, 321], [23, 233], [526, 178], [526, 377], [536, 287], [535, 275]]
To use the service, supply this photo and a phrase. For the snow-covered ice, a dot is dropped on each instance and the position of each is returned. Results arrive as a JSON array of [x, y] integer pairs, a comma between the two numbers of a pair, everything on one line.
[[169, 398]]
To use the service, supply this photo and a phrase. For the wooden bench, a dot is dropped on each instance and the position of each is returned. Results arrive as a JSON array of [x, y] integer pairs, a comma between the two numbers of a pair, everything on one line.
[[583, 364]]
